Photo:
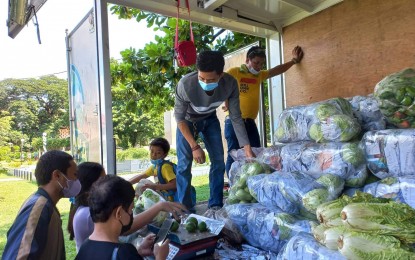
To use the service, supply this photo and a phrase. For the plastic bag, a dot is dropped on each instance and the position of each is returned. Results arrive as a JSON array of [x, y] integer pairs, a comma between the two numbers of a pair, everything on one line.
[[341, 159], [327, 121], [304, 246], [401, 189], [266, 227], [396, 96], [390, 153], [146, 201], [366, 110]]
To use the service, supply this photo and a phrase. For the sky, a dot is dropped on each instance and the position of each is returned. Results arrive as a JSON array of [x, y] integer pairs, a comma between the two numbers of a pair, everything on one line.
[[24, 57]]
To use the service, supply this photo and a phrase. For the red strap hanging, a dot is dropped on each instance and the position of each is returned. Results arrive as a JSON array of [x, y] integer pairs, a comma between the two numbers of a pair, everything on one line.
[[185, 51]]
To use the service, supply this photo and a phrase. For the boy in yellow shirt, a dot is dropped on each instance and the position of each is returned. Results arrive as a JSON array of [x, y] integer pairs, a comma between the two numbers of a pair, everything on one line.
[[161, 169]]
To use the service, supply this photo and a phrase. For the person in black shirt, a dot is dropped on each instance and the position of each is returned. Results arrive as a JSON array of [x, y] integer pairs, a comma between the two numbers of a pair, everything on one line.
[[111, 205]]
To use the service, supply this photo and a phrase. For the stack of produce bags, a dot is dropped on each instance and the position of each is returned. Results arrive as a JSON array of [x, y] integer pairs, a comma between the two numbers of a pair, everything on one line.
[[327, 121]]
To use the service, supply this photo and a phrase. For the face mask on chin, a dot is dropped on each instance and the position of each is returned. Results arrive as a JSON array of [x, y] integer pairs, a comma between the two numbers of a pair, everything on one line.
[[156, 162], [253, 71], [125, 228], [72, 189]]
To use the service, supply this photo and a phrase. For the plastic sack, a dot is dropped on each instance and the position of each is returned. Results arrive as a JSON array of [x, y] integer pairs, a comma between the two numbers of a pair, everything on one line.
[[230, 231], [294, 192], [400, 189], [390, 153], [396, 96], [238, 192], [146, 201], [366, 110], [327, 121], [271, 156], [140, 185], [304, 246], [268, 228], [340, 159]]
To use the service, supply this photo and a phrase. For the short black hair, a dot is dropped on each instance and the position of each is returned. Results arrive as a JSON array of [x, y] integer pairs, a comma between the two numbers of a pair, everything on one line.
[[49, 162], [208, 61], [255, 51], [162, 143], [108, 193]]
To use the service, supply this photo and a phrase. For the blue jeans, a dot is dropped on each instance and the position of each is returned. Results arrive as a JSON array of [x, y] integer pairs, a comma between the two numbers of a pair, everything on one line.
[[210, 132], [232, 140]]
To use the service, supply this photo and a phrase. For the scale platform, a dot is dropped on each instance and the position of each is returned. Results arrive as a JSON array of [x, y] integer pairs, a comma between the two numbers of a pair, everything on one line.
[[192, 245]]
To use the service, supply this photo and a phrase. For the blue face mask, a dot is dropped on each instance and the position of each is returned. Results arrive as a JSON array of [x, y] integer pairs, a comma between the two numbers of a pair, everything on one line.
[[208, 86], [156, 162]]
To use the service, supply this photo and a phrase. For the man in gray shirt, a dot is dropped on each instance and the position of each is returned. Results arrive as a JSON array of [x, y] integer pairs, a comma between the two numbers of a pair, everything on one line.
[[198, 94]]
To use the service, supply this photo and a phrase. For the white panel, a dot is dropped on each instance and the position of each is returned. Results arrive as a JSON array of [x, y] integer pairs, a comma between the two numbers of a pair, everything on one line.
[[84, 98], [276, 87], [104, 78]]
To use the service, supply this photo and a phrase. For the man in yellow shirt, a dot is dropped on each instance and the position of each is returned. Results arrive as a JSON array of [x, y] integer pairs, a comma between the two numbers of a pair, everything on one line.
[[249, 77]]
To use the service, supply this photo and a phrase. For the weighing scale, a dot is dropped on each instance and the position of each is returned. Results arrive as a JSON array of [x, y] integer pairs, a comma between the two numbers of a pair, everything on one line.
[[192, 245]]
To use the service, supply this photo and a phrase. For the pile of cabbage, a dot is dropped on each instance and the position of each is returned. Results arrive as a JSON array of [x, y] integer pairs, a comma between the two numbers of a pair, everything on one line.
[[327, 121], [396, 97], [366, 227]]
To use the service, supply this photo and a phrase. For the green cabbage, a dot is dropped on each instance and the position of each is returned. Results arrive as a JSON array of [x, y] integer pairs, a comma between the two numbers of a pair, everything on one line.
[[396, 219], [351, 153], [313, 198], [331, 236], [316, 133], [329, 213], [333, 183], [348, 126], [358, 245], [318, 232], [326, 110]]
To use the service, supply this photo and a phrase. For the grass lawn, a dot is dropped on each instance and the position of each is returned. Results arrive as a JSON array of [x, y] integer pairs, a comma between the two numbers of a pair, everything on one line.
[[14, 193]]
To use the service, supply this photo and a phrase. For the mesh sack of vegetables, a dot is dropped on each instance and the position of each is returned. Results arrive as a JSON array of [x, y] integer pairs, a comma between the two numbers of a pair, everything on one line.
[[400, 189], [390, 152], [304, 246], [366, 110], [396, 96], [341, 159]]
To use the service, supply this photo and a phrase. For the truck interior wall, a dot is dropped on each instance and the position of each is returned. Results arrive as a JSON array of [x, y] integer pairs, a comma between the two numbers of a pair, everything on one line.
[[349, 47]]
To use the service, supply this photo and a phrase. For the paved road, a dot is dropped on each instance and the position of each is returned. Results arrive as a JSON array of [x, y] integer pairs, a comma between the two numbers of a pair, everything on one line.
[[196, 171]]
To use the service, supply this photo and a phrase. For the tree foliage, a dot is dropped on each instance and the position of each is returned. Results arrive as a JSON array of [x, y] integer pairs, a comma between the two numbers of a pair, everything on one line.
[[150, 71], [34, 106]]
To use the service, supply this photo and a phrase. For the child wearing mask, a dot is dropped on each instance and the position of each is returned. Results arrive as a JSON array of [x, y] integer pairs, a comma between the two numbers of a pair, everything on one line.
[[162, 170]]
